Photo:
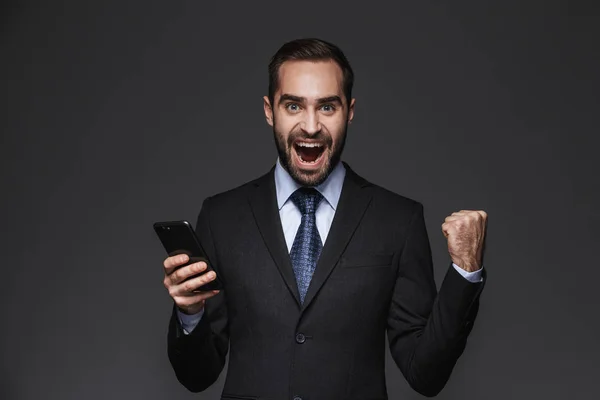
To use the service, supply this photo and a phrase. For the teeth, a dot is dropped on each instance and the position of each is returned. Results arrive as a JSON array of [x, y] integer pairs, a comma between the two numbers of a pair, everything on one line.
[[304, 144]]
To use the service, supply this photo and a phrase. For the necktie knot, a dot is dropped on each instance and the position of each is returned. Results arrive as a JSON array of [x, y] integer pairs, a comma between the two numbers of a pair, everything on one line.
[[307, 200]]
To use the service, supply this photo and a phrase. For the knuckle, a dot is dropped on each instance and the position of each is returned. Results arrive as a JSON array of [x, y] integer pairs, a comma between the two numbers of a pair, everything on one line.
[[193, 267], [188, 286], [176, 276]]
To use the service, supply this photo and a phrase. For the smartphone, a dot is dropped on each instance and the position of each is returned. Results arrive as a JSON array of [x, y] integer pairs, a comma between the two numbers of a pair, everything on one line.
[[178, 237]]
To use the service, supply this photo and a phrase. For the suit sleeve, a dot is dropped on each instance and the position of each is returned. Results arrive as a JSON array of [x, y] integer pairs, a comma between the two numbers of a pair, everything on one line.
[[198, 358], [427, 331]]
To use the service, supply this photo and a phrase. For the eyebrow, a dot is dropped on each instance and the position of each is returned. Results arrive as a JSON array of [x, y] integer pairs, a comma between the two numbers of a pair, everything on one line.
[[290, 97]]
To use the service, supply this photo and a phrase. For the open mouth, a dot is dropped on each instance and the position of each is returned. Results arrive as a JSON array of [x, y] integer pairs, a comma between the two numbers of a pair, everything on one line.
[[309, 152]]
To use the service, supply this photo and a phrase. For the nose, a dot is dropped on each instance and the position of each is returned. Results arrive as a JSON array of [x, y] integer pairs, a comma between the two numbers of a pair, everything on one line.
[[310, 123]]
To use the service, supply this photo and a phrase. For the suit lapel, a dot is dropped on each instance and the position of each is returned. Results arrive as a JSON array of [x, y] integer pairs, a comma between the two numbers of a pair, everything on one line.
[[353, 203], [263, 201]]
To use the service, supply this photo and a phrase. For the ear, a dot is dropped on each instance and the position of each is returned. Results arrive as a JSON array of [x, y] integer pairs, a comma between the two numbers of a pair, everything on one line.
[[351, 110], [268, 110]]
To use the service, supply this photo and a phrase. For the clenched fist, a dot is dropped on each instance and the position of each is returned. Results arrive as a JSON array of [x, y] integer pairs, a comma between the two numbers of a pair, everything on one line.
[[465, 231]]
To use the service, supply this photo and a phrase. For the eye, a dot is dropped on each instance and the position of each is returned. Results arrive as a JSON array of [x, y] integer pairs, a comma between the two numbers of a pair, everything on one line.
[[328, 108], [292, 107]]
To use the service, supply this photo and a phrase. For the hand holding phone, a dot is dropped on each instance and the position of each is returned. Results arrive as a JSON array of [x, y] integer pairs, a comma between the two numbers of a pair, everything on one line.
[[183, 281], [189, 277]]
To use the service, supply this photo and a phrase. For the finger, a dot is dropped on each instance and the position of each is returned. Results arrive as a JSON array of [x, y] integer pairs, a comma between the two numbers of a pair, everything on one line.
[[483, 214], [464, 212], [468, 213], [446, 229], [173, 262], [187, 287], [450, 218], [184, 273], [186, 301]]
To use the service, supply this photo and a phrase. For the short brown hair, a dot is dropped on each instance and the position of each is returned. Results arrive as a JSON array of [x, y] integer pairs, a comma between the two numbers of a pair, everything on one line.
[[314, 50]]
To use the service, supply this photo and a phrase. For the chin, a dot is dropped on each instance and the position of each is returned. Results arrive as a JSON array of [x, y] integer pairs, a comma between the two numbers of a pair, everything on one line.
[[312, 179]]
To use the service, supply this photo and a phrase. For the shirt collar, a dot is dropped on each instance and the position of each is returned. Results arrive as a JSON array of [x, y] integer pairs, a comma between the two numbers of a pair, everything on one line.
[[331, 189]]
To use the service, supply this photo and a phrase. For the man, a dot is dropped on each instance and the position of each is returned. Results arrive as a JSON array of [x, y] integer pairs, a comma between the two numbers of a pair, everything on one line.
[[318, 264]]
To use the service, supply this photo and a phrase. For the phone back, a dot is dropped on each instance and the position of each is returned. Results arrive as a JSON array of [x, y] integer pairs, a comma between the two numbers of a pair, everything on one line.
[[178, 237]]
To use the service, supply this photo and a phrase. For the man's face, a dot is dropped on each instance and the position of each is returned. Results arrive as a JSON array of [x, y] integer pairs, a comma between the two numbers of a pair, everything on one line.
[[309, 116]]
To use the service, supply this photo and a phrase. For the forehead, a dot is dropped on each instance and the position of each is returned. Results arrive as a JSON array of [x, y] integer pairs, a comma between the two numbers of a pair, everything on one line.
[[310, 78]]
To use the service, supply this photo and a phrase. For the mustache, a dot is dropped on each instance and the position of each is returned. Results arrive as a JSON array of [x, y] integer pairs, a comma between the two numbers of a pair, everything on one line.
[[321, 136]]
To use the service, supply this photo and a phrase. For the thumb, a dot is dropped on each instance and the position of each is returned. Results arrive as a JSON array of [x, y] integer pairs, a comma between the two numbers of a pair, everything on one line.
[[445, 230]]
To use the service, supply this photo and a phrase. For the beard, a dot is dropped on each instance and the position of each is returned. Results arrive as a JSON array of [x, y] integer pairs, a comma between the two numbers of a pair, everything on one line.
[[332, 154]]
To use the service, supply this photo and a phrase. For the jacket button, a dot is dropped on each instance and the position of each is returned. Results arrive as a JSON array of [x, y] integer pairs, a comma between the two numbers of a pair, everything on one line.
[[300, 338]]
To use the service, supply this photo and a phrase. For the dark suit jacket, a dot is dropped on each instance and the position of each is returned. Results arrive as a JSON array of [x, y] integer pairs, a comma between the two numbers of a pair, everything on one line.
[[374, 275]]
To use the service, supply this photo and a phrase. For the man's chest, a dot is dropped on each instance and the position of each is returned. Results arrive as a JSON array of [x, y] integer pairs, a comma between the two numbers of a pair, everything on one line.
[[254, 270]]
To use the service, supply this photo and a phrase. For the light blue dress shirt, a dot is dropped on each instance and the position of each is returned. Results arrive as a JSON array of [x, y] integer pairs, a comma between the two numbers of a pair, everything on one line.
[[290, 218]]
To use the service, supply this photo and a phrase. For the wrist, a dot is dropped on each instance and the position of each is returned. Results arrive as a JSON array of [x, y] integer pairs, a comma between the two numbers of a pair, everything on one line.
[[468, 265], [191, 310]]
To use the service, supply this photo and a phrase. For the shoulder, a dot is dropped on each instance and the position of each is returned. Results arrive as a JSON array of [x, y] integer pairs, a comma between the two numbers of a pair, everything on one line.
[[389, 196], [385, 198], [390, 207], [238, 195], [389, 213]]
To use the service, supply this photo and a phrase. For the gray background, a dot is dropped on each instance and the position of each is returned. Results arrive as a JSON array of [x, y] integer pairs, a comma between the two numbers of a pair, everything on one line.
[[119, 114]]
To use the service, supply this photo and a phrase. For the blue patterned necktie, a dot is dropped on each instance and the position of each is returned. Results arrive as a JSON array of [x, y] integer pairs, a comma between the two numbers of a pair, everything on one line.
[[307, 243]]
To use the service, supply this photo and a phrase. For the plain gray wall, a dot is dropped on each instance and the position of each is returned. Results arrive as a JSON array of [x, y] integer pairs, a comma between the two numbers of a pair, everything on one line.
[[121, 113]]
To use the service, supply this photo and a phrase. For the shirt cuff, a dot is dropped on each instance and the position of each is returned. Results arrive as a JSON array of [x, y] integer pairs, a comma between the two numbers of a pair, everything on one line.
[[473, 277], [189, 322]]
